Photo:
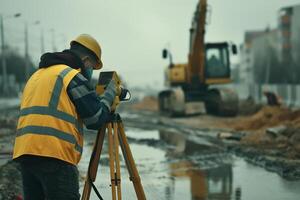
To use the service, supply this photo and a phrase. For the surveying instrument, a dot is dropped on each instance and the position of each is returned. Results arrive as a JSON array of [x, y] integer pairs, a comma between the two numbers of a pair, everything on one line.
[[116, 136]]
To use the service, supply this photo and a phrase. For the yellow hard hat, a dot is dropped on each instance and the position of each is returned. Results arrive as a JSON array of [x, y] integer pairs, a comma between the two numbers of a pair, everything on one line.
[[90, 43]]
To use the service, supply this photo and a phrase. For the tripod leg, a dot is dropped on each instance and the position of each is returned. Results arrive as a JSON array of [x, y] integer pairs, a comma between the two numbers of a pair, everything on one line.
[[111, 161], [133, 173], [94, 162], [117, 160]]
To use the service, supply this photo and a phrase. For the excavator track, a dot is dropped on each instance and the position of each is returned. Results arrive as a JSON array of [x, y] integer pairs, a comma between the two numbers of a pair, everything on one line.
[[221, 102], [171, 102]]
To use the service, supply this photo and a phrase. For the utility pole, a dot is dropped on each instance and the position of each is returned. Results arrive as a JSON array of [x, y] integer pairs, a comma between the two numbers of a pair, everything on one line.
[[26, 52], [27, 63], [3, 53], [3, 60]]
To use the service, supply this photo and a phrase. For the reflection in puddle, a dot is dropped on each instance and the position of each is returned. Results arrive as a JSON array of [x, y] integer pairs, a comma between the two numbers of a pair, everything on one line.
[[174, 168], [201, 172], [213, 183]]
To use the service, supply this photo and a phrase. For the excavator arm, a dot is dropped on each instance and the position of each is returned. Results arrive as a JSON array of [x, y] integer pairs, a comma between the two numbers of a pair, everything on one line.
[[195, 69]]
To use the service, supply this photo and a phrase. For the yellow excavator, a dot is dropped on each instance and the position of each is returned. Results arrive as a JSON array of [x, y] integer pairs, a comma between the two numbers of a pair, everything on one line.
[[208, 63]]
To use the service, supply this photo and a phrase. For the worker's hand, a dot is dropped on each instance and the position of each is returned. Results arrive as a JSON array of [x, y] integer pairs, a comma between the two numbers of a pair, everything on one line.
[[109, 94]]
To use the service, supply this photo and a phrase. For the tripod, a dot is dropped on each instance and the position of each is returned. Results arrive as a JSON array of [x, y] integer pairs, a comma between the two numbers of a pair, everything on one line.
[[116, 137]]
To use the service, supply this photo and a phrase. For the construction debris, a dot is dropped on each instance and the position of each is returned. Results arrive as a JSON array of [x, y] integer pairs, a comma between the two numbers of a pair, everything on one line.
[[230, 136], [276, 131], [224, 135]]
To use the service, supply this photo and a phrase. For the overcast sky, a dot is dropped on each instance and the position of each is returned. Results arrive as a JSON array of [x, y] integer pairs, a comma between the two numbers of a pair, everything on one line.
[[132, 33]]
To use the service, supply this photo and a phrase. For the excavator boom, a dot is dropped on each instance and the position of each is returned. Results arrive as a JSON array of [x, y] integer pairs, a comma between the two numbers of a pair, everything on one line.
[[195, 71]]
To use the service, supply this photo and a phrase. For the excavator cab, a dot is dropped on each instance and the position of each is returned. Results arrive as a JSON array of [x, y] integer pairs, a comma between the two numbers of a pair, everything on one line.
[[217, 62]]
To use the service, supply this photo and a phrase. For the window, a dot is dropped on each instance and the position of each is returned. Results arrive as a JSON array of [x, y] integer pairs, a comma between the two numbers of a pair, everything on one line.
[[217, 62]]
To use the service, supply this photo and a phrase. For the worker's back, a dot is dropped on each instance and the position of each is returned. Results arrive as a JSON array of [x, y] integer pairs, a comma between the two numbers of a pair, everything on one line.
[[42, 79], [48, 124]]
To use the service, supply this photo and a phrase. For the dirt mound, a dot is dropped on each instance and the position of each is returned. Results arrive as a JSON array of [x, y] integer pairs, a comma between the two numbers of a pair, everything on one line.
[[284, 134], [147, 103], [269, 116]]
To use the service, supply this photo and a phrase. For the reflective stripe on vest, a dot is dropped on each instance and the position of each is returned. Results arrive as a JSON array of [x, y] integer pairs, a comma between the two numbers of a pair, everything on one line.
[[58, 87], [42, 130], [42, 110], [51, 110]]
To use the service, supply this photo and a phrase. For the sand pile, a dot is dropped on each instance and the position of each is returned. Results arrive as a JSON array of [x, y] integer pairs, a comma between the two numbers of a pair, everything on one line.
[[268, 116], [284, 121], [147, 103]]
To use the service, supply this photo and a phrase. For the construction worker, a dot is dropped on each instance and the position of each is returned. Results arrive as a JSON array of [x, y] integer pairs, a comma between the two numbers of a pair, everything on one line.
[[57, 100], [272, 98], [215, 67]]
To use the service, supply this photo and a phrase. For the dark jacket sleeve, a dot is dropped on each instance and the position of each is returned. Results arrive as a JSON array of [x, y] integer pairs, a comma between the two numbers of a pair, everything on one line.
[[91, 108]]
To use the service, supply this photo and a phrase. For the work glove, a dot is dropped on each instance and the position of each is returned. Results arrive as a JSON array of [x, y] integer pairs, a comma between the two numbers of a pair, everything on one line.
[[109, 94]]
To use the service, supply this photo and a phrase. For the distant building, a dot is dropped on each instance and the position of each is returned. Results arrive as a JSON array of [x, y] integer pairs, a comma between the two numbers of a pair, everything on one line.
[[246, 61], [273, 55], [289, 27], [264, 54]]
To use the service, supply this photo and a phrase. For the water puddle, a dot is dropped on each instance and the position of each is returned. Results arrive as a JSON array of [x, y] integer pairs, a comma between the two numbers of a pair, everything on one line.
[[175, 168]]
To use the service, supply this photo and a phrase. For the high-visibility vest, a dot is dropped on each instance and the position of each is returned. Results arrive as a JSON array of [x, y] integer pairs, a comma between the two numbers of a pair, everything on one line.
[[48, 123]]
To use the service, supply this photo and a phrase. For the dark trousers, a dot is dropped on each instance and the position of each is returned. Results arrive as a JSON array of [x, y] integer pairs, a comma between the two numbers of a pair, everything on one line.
[[49, 179]]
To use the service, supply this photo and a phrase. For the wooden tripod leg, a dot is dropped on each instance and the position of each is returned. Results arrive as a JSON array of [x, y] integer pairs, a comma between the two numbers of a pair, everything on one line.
[[111, 161], [117, 160], [133, 173], [94, 162]]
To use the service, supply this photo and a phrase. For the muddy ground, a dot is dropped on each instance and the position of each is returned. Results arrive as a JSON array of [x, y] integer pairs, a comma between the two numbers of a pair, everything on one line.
[[10, 177], [262, 126], [265, 136]]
